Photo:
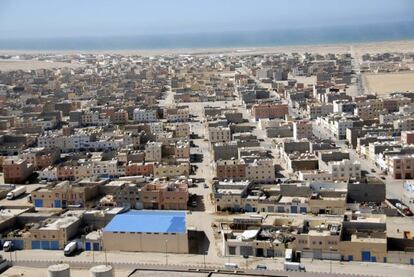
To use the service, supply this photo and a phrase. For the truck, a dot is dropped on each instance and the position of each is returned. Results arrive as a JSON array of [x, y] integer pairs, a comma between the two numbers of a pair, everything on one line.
[[16, 192], [292, 266], [70, 248]]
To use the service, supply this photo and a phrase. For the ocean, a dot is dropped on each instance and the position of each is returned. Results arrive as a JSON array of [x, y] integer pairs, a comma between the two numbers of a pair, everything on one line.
[[261, 38]]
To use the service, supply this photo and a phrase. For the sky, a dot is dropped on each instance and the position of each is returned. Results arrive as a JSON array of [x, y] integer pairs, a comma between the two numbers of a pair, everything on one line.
[[79, 18]]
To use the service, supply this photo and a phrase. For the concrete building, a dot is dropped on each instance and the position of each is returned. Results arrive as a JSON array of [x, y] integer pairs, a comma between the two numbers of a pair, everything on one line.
[[153, 151], [407, 137], [164, 195], [219, 134], [345, 169], [269, 110], [171, 170], [302, 129], [145, 115], [401, 166], [64, 195], [16, 170], [147, 231], [230, 169], [224, 151]]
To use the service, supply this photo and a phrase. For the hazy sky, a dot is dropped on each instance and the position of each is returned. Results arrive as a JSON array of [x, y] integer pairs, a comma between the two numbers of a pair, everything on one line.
[[53, 18]]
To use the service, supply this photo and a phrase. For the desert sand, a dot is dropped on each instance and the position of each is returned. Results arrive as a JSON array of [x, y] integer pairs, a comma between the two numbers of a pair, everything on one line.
[[382, 84]]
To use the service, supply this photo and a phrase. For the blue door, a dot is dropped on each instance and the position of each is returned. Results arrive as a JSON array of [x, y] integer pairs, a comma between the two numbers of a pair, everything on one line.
[[38, 203], [18, 244], [35, 244], [280, 209], [294, 209], [44, 244], [96, 246], [412, 261], [248, 208], [54, 245], [366, 256], [303, 210], [373, 259], [87, 246], [58, 204], [350, 258]]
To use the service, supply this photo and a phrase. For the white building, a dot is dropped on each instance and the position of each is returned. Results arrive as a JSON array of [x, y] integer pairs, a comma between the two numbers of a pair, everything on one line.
[[345, 169], [153, 151], [144, 115]]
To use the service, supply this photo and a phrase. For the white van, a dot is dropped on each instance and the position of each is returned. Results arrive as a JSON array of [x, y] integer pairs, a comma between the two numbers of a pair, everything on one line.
[[231, 266]]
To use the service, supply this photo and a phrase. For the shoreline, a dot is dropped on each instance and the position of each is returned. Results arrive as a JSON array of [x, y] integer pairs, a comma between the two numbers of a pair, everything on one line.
[[369, 47]]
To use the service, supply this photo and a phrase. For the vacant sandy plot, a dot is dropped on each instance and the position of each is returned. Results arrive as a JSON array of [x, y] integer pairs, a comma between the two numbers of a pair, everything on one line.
[[384, 83], [11, 65]]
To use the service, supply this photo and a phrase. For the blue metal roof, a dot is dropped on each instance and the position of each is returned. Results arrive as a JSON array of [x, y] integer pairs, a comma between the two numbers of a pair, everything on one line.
[[148, 222]]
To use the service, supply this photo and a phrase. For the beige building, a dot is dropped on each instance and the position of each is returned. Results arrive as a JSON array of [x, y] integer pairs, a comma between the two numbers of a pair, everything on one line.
[[153, 151], [147, 231], [219, 134], [171, 170], [262, 170], [401, 166], [164, 195]]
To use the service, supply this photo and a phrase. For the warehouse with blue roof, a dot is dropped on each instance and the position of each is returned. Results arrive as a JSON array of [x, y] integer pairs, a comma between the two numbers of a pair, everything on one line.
[[147, 231]]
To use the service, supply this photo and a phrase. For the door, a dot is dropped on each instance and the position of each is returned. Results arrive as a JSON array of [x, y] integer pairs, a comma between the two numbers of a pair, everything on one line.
[[96, 246], [303, 210], [294, 209], [350, 258], [38, 203], [58, 204], [87, 246], [35, 244], [373, 259], [54, 245], [366, 256], [45, 244]]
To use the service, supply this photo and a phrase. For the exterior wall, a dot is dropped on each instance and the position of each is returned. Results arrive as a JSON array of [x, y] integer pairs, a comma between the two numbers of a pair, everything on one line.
[[143, 115], [302, 129], [219, 134], [153, 152], [407, 137], [353, 250], [261, 170], [146, 242], [401, 167], [182, 169], [133, 169], [269, 110], [16, 171], [164, 197], [230, 169]]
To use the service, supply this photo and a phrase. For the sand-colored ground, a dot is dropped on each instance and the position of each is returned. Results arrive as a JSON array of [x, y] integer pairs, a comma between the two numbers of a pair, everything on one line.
[[359, 48], [10, 65], [383, 84]]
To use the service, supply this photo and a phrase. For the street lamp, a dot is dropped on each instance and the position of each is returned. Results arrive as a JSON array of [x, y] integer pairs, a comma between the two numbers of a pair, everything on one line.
[[330, 259], [166, 254]]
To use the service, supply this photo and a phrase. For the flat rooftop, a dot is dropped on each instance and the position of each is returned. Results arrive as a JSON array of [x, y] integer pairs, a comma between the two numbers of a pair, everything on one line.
[[148, 222]]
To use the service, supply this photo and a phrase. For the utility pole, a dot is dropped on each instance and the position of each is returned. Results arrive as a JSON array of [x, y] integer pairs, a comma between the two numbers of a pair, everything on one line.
[[166, 254]]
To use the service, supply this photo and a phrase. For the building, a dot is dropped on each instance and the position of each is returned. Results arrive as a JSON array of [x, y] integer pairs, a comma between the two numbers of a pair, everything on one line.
[[64, 195], [147, 231], [407, 137], [153, 151], [145, 115], [16, 170], [230, 169], [224, 150], [219, 134], [345, 169], [171, 170], [269, 110], [302, 129], [401, 166], [164, 195]]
